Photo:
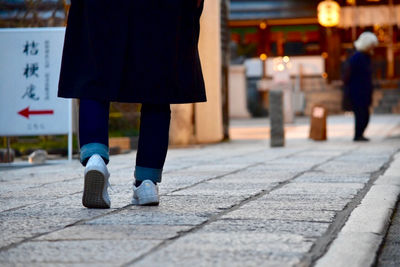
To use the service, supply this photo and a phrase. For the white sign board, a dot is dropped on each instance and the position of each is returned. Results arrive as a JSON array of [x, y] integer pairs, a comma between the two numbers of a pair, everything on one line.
[[30, 60]]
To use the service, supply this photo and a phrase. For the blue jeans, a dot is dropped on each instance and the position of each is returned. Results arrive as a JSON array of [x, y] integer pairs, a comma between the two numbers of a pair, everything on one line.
[[153, 136]]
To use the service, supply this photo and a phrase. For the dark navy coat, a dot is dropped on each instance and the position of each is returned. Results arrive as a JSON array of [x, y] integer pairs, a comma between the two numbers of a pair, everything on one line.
[[360, 80], [140, 51]]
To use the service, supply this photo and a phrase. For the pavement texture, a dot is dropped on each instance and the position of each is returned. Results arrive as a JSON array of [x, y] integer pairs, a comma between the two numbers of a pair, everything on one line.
[[238, 203], [390, 252]]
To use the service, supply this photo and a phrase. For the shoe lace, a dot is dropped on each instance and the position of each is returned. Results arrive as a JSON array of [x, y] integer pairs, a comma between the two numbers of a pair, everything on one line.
[[109, 186]]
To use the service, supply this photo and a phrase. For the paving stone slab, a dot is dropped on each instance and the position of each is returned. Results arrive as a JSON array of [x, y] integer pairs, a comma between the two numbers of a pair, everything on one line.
[[336, 189], [120, 195], [292, 215], [317, 152], [182, 179], [10, 187], [148, 217], [349, 168], [15, 188], [185, 176], [306, 161], [173, 210], [194, 203], [308, 198], [277, 166], [10, 203], [42, 218], [115, 232], [297, 205], [259, 172], [322, 177], [57, 264], [302, 228], [213, 188], [225, 249], [42, 174], [247, 159], [256, 177], [83, 251], [372, 162], [191, 176], [217, 168], [29, 196]]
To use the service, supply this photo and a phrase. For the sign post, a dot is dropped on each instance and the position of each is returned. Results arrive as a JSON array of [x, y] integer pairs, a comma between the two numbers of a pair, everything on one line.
[[29, 73], [70, 130]]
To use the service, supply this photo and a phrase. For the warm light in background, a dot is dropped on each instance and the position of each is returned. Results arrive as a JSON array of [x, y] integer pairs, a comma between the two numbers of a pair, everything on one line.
[[263, 56], [328, 13], [325, 75], [351, 2], [263, 25], [280, 67], [281, 63], [324, 55], [285, 59]]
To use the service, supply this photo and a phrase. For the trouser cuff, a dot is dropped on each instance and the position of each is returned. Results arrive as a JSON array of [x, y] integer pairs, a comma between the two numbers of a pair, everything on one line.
[[143, 173], [90, 149]]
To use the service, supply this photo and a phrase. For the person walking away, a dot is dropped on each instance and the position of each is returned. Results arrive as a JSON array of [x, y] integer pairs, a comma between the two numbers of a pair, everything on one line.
[[141, 51], [360, 82]]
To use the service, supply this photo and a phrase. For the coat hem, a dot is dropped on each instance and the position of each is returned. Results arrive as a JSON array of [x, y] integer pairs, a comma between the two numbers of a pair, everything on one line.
[[138, 100]]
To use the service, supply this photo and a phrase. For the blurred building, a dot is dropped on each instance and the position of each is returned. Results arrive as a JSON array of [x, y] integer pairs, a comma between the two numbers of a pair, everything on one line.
[[291, 28], [31, 13]]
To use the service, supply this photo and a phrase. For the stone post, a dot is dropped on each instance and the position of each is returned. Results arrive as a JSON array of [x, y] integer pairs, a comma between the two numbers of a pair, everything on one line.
[[288, 103], [181, 129], [237, 92], [276, 118]]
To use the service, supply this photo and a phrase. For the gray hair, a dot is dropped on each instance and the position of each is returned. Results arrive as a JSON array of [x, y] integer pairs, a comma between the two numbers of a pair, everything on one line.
[[366, 41]]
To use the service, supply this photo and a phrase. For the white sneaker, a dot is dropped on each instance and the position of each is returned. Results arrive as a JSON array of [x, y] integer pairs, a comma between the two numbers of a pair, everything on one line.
[[146, 194], [95, 193]]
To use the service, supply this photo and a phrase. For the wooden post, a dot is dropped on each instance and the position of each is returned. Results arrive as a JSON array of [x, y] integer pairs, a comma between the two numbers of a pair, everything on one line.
[[318, 131], [354, 26], [333, 49], [390, 47]]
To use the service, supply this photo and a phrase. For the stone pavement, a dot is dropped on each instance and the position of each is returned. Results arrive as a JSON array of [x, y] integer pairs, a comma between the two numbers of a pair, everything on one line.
[[390, 252], [238, 203]]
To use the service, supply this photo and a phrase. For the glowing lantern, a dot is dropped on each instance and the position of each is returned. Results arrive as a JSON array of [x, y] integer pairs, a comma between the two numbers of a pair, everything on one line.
[[263, 56], [328, 13]]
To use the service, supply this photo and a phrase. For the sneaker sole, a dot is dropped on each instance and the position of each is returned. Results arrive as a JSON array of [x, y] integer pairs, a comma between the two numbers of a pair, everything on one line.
[[93, 191]]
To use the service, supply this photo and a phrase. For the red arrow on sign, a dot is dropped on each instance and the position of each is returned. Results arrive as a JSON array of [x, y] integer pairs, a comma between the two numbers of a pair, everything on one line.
[[26, 112]]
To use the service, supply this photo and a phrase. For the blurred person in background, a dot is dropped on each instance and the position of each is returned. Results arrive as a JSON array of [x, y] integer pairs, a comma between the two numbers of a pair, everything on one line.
[[137, 52], [358, 81]]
